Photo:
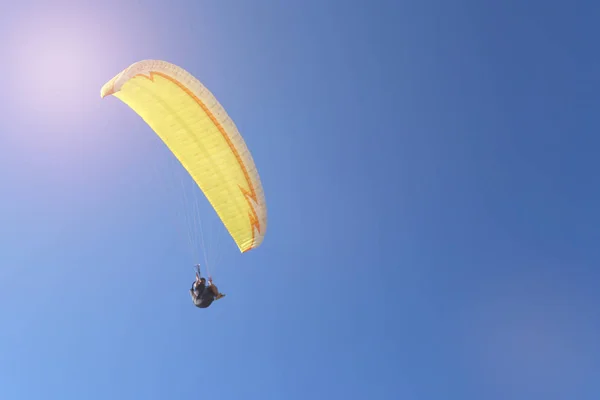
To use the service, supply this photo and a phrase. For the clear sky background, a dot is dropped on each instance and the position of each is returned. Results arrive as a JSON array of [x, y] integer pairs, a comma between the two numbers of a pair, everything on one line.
[[430, 170]]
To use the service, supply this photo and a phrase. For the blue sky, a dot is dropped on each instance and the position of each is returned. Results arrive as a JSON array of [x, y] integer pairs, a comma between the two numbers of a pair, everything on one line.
[[430, 170]]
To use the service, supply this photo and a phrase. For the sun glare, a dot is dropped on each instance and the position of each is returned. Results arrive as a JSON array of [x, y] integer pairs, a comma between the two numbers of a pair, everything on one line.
[[53, 61], [57, 67]]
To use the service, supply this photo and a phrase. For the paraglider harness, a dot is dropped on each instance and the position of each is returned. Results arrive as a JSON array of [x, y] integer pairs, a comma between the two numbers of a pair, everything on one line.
[[202, 293]]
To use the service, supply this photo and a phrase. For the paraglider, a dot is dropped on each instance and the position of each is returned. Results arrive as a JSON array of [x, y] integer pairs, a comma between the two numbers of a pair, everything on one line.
[[203, 295], [200, 134]]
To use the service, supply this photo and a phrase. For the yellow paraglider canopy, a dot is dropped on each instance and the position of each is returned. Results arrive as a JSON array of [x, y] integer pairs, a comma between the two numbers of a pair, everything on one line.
[[198, 131]]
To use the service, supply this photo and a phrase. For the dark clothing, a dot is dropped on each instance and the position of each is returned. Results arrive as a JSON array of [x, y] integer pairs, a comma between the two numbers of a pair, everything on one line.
[[202, 295], [205, 300], [198, 287]]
